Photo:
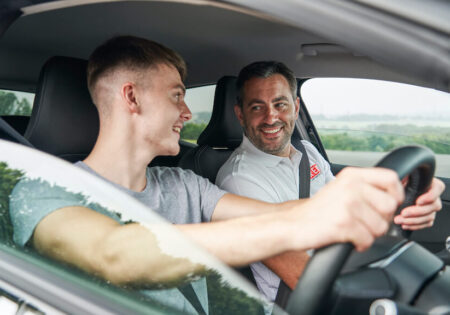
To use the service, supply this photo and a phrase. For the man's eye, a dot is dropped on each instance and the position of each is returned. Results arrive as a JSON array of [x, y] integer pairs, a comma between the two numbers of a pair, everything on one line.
[[178, 96], [255, 108], [280, 105]]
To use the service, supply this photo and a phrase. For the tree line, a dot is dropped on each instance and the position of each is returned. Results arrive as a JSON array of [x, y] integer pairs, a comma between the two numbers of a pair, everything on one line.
[[11, 105], [438, 143]]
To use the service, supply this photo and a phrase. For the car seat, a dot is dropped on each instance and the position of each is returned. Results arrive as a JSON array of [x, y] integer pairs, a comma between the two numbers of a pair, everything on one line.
[[221, 136], [64, 121]]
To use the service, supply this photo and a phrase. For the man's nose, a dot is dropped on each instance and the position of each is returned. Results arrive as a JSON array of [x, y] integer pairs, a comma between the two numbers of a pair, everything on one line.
[[185, 112], [271, 115]]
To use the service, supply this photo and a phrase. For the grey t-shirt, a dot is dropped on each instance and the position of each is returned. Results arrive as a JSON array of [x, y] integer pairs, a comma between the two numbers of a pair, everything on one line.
[[178, 195]]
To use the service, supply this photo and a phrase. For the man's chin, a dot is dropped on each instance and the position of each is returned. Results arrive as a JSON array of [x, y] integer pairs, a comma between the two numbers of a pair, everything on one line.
[[271, 148], [175, 152], [171, 151], [268, 148], [273, 151]]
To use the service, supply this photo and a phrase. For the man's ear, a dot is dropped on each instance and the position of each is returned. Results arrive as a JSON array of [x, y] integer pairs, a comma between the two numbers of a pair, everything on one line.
[[239, 114], [128, 94], [297, 107]]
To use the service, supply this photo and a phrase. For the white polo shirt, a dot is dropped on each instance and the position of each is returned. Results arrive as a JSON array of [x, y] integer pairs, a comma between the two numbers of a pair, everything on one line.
[[253, 173]]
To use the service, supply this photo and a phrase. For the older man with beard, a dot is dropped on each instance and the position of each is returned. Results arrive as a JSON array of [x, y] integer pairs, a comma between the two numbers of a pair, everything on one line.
[[266, 166]]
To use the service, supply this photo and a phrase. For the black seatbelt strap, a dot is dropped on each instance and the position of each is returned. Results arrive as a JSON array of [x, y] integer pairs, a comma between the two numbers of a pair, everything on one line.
[[284, 291], [191, 296], [9, 133], [304, 172]]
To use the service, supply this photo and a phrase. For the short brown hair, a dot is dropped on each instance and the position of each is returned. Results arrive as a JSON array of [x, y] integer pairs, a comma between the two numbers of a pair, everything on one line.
[[264, 69], [131, 53]]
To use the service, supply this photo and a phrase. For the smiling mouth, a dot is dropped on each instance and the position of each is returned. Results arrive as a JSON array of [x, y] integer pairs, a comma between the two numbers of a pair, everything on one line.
[[176, 129], [272, 131]]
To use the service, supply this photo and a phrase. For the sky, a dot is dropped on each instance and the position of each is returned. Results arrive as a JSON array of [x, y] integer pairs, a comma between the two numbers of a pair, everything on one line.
[[200, 99], [333, 97]]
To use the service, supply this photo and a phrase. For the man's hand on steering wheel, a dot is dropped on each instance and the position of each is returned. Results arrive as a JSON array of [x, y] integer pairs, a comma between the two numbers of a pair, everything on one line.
[[422, 214]]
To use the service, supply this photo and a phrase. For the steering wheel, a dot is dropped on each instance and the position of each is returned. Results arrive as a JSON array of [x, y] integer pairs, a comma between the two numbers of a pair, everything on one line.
[[325, 265]]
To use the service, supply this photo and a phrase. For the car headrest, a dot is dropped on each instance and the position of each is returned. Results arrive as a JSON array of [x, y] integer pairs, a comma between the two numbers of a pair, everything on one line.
[[224, 129], [64, 121]]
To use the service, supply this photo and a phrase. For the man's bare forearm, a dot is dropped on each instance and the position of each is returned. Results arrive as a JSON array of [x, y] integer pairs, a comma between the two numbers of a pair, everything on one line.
[[288, 266], [232, 206], [123, 254], [244, 240]]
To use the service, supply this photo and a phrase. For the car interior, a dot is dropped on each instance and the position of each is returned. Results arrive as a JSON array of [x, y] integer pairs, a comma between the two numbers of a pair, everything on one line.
[[64, 122], [62, 89]]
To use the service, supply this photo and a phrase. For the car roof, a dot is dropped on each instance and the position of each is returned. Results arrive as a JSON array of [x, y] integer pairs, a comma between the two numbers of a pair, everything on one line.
[[216, 38]]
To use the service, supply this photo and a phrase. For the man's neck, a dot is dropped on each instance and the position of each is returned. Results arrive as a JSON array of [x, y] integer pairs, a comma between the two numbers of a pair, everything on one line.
[[122, 162]]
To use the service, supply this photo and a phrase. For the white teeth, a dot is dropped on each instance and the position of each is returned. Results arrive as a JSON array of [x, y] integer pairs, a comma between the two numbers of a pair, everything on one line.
[[177, 129], [272, 131]]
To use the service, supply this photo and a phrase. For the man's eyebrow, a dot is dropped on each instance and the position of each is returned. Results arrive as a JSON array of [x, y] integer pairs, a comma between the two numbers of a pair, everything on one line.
[[180, 86], [280, 98], [255, 101]]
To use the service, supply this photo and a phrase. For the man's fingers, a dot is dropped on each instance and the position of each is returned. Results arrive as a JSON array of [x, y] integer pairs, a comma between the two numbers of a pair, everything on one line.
[[436, 189], [386, 180], [381, 178], [360, 237], [376, 195], [417, 220], [383, 203], [418, 211], [417, 227]]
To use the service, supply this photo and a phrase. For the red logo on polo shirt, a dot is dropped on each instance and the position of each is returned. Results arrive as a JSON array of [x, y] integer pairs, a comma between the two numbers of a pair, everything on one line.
[[314, 171]]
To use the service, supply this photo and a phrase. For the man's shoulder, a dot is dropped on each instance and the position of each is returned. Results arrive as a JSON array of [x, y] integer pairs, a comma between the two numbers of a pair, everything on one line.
[[172, 175], [240, 163], [311, 150], [169, 171], [308, 145]]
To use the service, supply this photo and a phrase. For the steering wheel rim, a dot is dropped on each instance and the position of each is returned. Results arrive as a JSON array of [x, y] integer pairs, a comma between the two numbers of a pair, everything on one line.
[[319, 275]]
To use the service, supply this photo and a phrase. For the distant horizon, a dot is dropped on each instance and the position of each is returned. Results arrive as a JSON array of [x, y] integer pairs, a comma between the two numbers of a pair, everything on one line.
[[343, 96], [445, 116]]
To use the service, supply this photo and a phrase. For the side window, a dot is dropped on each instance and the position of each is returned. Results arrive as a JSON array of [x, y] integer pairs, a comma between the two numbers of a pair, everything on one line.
[[183, 278], [358, 120], [15, 103], [200, 101]]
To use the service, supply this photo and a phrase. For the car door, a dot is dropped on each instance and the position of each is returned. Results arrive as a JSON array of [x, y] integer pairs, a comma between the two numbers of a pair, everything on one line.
[[355, 122]]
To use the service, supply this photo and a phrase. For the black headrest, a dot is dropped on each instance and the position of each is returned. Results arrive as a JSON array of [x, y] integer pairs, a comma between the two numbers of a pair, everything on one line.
[[223, 129], [64, 121]]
